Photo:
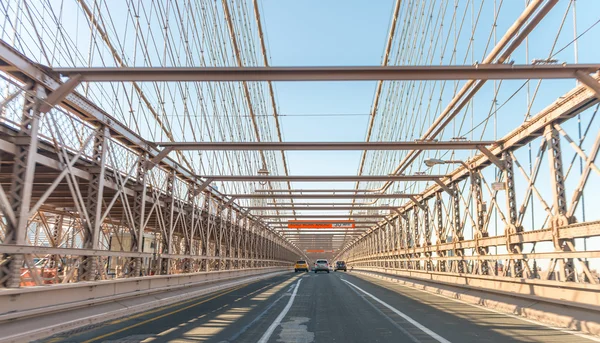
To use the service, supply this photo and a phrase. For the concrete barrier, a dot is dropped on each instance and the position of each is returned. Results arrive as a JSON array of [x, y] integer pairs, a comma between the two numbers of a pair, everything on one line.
[[49, 324], [565, 314], [38, 300]]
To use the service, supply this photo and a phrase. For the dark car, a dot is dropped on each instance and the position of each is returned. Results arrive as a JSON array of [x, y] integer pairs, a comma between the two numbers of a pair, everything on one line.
[[340, 265]]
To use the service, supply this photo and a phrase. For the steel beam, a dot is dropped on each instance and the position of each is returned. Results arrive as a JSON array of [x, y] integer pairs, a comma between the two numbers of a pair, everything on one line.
[[589, 81], [23, 174], [302, 205], [311, 216], [60, 93], [282, 230], [326, 146], [319, 232], [334, 191], [322, 222], [323, 208], [321, 196], [323, 178], [361, 73], [320, 236]]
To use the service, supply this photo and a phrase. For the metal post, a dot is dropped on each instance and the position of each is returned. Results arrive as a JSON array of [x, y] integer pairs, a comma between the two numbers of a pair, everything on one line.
[[512, 228], [88, 269], [441, 233], [479, 231], [566, 270], [21, 186], [457, 232], [205, 233], [139, 211], [417, 238], [165, 263]]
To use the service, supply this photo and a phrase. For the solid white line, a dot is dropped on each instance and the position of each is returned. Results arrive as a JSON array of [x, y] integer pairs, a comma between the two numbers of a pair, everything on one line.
[[265, 337], [407, 318], [579, 334]]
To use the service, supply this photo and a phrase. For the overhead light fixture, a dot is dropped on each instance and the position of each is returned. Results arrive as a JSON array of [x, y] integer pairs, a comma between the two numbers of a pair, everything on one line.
[[433, 162], [263, 172]]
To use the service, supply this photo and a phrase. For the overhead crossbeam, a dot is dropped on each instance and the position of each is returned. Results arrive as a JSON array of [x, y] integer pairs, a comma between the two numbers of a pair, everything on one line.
[[368, 73], [310, 216], [322, 196], [326, 146], [323, 178], [301, 205], [323, 208], [334, 191]]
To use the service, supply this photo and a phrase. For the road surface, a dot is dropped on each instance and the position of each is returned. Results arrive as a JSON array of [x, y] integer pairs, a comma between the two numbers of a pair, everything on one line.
[[308, 307]]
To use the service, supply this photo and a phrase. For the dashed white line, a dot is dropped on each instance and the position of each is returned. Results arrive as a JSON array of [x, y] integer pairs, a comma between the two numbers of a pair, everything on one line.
[[406, 317], [265, 337]]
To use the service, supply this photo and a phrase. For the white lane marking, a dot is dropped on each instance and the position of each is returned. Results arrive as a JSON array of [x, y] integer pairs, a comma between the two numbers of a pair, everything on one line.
[[579, 334], [265, 337], [393, 322], [407, 318]]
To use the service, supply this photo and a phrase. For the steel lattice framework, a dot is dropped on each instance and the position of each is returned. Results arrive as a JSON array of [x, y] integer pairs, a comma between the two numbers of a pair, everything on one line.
[[89, 191]]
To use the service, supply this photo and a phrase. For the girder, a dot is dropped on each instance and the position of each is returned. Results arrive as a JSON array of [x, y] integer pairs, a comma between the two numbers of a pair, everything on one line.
[[388, 73], [326, 146], [322, 178]]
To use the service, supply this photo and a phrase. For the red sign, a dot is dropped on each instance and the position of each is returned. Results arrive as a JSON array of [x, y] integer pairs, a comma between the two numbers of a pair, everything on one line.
[[318, 224]]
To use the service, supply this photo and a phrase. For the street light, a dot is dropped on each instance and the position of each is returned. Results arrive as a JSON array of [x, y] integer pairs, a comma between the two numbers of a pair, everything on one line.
[[434, 161], [497, 186], [263, 172]]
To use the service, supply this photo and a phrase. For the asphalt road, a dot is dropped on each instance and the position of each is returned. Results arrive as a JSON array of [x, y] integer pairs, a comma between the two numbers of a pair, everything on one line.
[[307, 307]]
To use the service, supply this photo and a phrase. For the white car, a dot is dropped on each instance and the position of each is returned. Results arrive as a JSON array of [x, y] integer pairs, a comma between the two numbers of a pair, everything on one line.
[[321, 266]]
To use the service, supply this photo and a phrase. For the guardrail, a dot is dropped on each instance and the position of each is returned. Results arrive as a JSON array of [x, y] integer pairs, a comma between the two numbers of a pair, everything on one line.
[[38, 300]]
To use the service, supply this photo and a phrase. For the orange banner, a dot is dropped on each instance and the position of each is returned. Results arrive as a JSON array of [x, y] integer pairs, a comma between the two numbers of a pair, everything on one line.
[[317, 224]]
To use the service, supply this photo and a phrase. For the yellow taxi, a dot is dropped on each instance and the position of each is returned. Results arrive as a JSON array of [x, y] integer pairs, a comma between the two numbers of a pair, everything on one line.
[[301, 266]]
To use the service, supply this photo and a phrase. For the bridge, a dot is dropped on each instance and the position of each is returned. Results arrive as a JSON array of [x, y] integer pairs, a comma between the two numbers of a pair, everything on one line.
[[164, 165]]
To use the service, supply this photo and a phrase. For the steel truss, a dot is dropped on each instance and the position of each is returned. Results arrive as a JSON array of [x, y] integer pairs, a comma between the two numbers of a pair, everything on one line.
[[81, 180], [426, 238]]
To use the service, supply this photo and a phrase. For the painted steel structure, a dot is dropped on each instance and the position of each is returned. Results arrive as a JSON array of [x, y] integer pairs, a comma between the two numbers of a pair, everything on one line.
[[118, 205], [329, 146], [479, 72], [426, 239], [82, 177]]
